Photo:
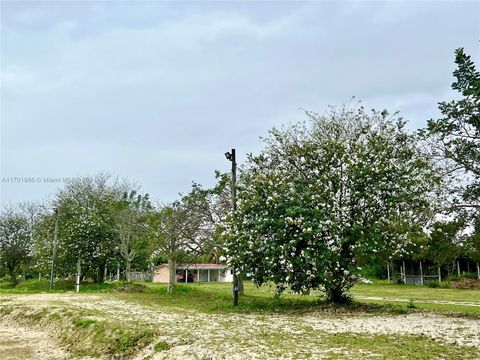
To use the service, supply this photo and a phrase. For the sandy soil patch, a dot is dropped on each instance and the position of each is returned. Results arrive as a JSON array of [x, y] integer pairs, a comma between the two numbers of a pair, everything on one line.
[[193, 335], [20, 343]]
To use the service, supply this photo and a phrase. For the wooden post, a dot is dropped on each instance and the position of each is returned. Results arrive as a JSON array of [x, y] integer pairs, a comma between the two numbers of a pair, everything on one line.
[[186, 275], [439, 275], [404, 273], [421, 273], [208, 275], [388, 273], [77, 284]]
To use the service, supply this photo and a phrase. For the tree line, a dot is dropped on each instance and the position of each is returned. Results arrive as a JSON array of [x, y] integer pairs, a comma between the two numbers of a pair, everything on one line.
[[344, 189]]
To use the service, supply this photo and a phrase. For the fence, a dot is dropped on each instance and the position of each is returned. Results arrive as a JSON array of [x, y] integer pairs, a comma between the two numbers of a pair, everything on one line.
[[134, 276]]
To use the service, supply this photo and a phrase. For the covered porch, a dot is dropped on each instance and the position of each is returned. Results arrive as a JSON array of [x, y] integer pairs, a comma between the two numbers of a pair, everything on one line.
[[205, 272]]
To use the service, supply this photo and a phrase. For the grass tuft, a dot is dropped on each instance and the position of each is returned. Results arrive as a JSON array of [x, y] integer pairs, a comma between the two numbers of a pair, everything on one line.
[[161, 346]]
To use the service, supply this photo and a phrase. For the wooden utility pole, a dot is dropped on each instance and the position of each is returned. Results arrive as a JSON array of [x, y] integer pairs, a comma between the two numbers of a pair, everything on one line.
[[232, 157]]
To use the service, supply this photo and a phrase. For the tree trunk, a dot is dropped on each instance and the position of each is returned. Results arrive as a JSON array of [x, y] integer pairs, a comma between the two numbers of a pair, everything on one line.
[[101, 273], [172, 268], [335, 295], [241, 287], [127, 271], [13, 277]]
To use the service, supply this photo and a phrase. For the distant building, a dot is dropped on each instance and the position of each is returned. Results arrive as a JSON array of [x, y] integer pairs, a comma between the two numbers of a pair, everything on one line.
[[194, 273]]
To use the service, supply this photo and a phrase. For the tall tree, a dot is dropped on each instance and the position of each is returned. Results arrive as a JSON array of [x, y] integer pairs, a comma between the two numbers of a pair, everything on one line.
[[455, 139], [130, 226], [323, 193], [210, 207], [174, 230], [86, 222], [15, 240]]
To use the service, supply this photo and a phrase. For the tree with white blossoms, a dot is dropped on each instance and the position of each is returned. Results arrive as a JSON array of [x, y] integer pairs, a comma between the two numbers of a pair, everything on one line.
[[86, 223], [325, 192], [15, 240]]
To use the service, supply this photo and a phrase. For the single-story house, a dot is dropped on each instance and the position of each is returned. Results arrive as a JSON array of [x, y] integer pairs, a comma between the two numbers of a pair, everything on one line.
[[195, 272]]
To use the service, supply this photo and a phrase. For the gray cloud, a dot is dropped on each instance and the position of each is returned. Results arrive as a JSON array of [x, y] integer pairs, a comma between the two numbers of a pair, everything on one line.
[[158, 91]]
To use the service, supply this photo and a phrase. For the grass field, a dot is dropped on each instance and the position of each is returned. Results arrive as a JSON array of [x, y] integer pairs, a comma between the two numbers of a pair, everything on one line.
[[199, 322]]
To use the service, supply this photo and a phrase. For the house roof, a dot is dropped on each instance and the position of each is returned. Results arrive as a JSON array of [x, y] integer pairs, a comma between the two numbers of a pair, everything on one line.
[[202, 266], [197, 266]]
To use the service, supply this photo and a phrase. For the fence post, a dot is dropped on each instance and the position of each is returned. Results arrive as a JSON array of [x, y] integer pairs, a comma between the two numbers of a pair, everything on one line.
[[77, 285], [421, 273]]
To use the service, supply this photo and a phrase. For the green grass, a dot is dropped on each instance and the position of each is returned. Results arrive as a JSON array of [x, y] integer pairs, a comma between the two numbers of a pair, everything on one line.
[[416, 292], [217, 297], [161, 346], [36, 286]]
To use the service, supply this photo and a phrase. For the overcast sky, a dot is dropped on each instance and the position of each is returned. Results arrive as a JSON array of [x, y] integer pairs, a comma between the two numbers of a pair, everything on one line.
[[158, 91]]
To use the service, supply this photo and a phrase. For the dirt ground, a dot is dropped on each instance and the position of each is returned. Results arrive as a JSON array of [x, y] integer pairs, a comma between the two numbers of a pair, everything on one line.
[[20, 343], [195, 334]]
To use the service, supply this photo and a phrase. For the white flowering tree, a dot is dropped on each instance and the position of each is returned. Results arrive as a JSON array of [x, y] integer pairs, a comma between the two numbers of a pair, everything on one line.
[[15, 240], [322, 194], [86, 208]]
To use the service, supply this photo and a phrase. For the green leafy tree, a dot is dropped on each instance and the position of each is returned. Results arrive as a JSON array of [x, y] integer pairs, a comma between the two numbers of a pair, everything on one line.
[[130, 216], [174, 235], [446, 243], [211, 207], [455, 139], [324, 193]]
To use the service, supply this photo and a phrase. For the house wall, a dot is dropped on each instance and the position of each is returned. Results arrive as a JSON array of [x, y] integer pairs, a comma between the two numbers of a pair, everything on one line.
[[161, 275], [226, 276]]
